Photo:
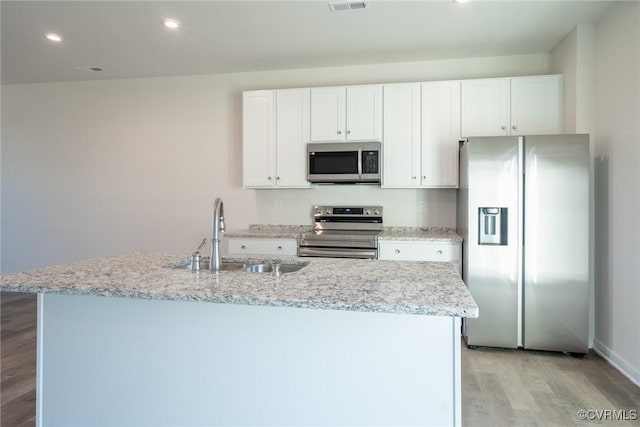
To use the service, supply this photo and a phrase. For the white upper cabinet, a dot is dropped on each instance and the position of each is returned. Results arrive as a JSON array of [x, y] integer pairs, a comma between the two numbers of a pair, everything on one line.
[[537, 105], [401, 152], [420, 125], [440, 134], [421, 134], [258, 138], [275, 134], [364, 113], [512, 106], [485, 107], [292, 136], [352, 113], [328, 114]]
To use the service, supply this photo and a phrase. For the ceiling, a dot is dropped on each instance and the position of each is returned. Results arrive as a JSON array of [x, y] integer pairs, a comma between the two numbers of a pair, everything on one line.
[[126, 38]]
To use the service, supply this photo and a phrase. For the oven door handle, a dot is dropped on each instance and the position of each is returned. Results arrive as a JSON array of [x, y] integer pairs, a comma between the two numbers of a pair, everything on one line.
[[360, 161], [337, 253]]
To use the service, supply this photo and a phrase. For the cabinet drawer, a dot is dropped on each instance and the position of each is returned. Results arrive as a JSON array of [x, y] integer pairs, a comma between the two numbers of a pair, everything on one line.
[[419, 251], [248, 246]]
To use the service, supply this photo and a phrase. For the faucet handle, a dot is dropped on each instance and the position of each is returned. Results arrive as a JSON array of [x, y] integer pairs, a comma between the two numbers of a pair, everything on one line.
[[204, 242]]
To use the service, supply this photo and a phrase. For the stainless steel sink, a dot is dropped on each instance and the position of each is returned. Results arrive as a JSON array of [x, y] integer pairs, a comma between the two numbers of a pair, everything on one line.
[[204, 265], [268, 268], [261, 267]]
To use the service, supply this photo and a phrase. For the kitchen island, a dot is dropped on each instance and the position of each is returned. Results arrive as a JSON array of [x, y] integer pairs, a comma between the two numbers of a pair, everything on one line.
[[338, 342]]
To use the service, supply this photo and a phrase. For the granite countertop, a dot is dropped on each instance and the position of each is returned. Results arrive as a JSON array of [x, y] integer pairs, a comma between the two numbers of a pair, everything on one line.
[[268, 231], [424, 288], [435, 234]]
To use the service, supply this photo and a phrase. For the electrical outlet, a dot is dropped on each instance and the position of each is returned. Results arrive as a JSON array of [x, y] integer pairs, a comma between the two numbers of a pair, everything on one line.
[[422, 206], [278, 204]]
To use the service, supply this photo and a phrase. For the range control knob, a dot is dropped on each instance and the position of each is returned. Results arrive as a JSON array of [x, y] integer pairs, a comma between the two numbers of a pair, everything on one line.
[[367, 212], [328, 212], [319, 212], [376, 212]]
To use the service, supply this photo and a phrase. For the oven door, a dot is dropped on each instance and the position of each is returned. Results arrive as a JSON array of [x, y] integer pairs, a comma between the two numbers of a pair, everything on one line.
[[337, 252], [339, 244]]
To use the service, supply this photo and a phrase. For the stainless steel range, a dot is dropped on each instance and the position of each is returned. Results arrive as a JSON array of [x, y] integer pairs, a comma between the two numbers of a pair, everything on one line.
[[343, 232]]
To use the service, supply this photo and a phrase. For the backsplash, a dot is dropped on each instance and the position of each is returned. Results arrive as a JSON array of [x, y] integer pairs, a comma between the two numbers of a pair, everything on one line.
[[407, 207]]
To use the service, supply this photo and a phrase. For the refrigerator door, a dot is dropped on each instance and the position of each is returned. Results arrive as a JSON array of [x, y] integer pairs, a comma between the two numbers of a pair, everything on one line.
[[490, 196], [556, 243]]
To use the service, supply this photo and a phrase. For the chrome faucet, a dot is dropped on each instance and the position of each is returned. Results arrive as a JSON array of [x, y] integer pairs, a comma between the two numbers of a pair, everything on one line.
[[215, 262]]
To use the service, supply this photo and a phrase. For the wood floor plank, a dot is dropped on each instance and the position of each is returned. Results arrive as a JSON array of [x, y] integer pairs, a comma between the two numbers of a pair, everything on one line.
[[17, 359]]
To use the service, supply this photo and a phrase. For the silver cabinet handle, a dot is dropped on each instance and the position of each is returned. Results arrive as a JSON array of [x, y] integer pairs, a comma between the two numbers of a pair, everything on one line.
[[397, 251], [279, 247], [269, 178], [348, 132], [277, 178], [424, 177], [439, 252], [243, 247], [339, 132], [413, 177], [514, 127], [503, 127]]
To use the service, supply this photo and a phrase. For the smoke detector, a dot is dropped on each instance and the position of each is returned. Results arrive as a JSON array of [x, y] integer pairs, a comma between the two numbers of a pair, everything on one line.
[[344, 6]]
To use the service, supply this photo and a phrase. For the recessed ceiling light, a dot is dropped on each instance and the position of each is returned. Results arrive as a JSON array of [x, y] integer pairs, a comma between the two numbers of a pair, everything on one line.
[[171, 23], [53, 37]]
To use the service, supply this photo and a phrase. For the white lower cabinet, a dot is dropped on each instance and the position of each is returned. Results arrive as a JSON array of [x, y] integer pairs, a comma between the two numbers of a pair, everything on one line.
[[421, 251], [260, 246]]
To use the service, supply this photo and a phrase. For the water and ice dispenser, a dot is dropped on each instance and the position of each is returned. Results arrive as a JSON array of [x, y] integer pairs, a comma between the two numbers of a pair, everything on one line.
[[492, 226]]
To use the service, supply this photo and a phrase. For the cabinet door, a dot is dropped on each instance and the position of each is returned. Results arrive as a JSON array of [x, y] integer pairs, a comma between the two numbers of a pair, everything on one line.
[[364, 113], [258, 138], [401, 151], [292, 135], [485, 107], [537, 105], [328, 114], [260, 246], [421, 251], [440, 134]]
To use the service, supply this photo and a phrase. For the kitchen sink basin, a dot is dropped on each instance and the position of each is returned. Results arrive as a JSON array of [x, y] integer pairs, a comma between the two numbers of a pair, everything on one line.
[[204, 265], [268, 268], [265, 267]]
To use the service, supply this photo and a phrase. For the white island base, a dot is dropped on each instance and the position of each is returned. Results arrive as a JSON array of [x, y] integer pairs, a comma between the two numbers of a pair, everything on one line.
[[134, 362]]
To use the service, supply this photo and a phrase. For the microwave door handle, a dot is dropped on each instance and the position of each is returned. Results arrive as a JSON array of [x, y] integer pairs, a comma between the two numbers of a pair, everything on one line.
[[360, 161]]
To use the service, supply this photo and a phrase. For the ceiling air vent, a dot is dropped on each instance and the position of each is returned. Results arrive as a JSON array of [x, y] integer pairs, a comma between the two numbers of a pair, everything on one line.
[[343, 6]]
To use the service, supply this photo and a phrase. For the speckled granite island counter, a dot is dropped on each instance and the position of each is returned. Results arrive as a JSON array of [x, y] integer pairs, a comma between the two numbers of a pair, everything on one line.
[[336, 342]]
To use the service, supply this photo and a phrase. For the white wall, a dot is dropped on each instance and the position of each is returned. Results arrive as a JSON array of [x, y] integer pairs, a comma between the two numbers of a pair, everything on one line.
[[574, 57], [617, 190], [102, 167]]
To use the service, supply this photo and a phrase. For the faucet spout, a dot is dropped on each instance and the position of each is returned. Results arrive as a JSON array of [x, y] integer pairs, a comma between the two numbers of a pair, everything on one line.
[[215, 262]]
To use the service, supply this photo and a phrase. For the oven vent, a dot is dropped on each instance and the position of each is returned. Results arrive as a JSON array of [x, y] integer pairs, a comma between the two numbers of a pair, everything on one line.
[[348, 5]]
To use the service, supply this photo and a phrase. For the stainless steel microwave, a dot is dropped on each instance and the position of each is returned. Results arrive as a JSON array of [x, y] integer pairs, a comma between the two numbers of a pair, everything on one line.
[[344, 162]]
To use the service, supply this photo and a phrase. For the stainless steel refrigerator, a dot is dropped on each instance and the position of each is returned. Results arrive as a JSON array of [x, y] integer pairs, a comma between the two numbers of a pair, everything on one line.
[[523, 211]]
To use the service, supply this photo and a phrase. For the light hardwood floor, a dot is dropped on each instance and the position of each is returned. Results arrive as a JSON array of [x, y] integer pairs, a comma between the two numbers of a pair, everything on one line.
[[17, 359], [499, 387]]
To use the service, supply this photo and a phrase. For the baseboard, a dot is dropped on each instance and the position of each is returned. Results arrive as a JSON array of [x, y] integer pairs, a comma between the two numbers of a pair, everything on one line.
[[616, 361]]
